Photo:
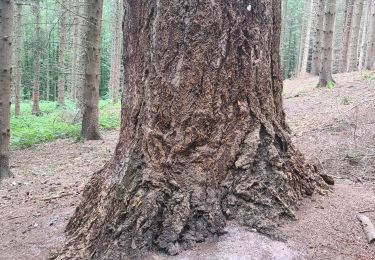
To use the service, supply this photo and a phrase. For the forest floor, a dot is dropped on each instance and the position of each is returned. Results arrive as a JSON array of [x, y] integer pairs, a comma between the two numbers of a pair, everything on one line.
[[335, 128]]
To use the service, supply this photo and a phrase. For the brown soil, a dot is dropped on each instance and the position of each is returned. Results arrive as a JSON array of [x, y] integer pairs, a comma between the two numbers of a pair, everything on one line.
[[334, 128]]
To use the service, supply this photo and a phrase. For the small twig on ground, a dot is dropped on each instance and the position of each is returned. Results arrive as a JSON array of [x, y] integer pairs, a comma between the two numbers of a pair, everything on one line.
[[10, 218], [58, 196], [367, 211]]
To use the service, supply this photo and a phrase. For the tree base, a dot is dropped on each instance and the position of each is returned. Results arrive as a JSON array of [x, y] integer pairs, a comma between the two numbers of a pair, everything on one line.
[[140, 210], [5, 173]]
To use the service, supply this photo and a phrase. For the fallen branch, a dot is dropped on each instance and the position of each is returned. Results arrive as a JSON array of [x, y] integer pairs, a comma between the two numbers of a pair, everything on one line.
[[367, 211], [368, 227], [58, 196]]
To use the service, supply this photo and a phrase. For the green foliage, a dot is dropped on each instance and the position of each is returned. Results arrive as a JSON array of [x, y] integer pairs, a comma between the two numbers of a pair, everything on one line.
[[330, 85], [368, 75], [56, 122]]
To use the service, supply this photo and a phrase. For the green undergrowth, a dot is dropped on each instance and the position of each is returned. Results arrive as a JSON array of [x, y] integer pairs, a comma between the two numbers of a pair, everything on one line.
[[56, 122]]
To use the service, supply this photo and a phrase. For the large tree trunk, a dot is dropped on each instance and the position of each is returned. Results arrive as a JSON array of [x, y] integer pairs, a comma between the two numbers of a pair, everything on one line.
[[317, 47], [203, 136], [61, 75], [370, 59], [116, 50], [6, 20], [17, 58], [36, 83], [91, 59], [325, 75], [76, 46], [346, 35], [354, 36]]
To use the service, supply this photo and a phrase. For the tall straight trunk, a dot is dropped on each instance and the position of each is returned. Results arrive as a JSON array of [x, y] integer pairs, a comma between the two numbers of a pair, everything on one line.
[[77, 50], [61, 75], [203, 136], [284, 10], [309, 5], [325, 75], [36, 83], [91, 59], [346, 35], [370, 58], [364, 31], [354, 36], [116, 50], [48, 65], [317, 47], [6, 22], [17, 58]]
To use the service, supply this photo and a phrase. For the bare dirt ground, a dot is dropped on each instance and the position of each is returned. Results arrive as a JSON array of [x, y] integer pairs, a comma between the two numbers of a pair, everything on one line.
[[334, 128]]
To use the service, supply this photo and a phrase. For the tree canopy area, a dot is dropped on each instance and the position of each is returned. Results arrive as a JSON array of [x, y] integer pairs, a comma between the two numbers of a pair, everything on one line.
[[214, 107]]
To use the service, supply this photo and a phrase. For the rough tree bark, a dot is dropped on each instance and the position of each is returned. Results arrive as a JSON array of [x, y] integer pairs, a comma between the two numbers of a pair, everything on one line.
[[61, 75], [36, 83], [91, 39], [203, 136], [317, 47], [6, 20], [116, 49], [17, 56], [354, 36], [364, 31], [370, 58], [325, 75], [346, 35]]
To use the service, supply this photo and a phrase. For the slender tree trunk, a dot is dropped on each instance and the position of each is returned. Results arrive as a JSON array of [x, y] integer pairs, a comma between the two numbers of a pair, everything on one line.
[[17, 57], [6, 22], [75, 49], [364, 31], [354, 36], [61, 75], [309, 5], [346, 35], [284, 10], [370, 58], [116, 50], [48, 83], [36, 84], [91, 59], [317, 47], [203, 136], [325, 75]]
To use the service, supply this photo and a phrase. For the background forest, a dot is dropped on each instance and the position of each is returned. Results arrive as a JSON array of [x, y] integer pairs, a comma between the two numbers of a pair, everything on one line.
[[49, 47]]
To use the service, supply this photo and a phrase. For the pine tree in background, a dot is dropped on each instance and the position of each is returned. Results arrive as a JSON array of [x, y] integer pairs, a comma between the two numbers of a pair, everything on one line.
[[317, 47], [62, 43], [17, 58], [325, 75], [37, 43], [91, 60], [370, 58], [354, 36]]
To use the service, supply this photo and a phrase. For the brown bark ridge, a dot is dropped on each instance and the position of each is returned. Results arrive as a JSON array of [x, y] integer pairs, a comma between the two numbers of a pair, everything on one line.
[[61, 75], [6, 20], [203, 136], [36, 83], [346, 35], [317, 47], [325, 75], [354, 36], [91, 36], [370, 58]]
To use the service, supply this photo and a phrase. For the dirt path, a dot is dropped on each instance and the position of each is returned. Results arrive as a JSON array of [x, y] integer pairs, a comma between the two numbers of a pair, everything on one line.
[[337, 126]]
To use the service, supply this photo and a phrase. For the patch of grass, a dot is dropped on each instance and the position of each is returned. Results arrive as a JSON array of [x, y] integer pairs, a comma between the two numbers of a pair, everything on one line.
[[368, 75], [345, 101], [56, 122], [330, 85]]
